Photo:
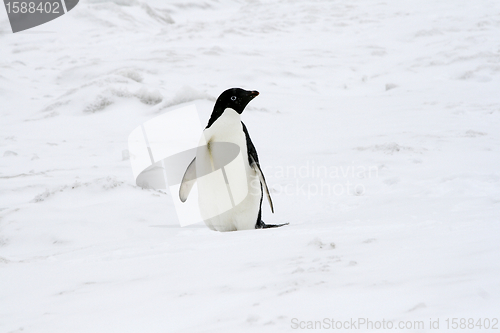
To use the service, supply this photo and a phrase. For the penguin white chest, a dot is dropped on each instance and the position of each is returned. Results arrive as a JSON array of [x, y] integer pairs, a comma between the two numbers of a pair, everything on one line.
[[213, 192], [226, 129]]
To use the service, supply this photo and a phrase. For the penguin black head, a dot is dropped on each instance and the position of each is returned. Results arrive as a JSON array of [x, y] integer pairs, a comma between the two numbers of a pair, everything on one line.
[[234, 98]]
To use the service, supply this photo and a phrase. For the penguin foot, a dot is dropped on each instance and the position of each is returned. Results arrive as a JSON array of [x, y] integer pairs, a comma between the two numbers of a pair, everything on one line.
[[262, 225]]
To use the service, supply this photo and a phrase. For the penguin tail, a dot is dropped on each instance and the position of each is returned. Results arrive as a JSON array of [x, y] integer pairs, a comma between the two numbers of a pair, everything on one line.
[[262, 225]]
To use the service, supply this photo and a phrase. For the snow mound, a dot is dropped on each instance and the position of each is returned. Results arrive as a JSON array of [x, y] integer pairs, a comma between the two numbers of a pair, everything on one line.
[[150, 97], [100, 93], [122, 14], [390, 148], [99, 184], [8, 153], [184, 95]]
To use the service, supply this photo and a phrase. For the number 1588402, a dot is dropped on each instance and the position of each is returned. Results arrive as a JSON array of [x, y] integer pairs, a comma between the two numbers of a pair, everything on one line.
[[32, 8]]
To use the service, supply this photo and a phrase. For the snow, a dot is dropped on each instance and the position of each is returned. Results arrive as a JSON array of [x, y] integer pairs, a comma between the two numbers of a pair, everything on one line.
[[377, 130]]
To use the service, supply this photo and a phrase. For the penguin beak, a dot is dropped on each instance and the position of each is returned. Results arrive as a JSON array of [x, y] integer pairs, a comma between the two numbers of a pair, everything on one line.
[[254, 94]]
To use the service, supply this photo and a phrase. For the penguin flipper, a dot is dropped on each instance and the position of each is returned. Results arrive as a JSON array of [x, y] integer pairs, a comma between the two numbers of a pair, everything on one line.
[[256, 167], [188, 181]]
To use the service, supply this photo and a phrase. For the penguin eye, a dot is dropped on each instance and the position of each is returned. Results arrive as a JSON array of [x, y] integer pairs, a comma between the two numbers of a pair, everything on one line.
[[233, 98]]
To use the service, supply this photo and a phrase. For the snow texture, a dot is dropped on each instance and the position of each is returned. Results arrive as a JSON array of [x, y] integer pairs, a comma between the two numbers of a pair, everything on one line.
[[377, 127]]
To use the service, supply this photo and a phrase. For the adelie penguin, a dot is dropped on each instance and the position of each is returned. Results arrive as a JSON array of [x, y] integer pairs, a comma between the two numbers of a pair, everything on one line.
[[231, 199]]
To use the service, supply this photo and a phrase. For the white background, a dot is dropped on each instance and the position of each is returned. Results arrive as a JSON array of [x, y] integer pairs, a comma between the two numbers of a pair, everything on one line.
[[409, 89]]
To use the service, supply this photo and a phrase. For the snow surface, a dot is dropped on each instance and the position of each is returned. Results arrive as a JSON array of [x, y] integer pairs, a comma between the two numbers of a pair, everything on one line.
[[377, 126]]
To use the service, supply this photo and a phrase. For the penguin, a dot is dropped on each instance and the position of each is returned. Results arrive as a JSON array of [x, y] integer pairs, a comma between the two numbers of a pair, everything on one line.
[[225, 130]]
